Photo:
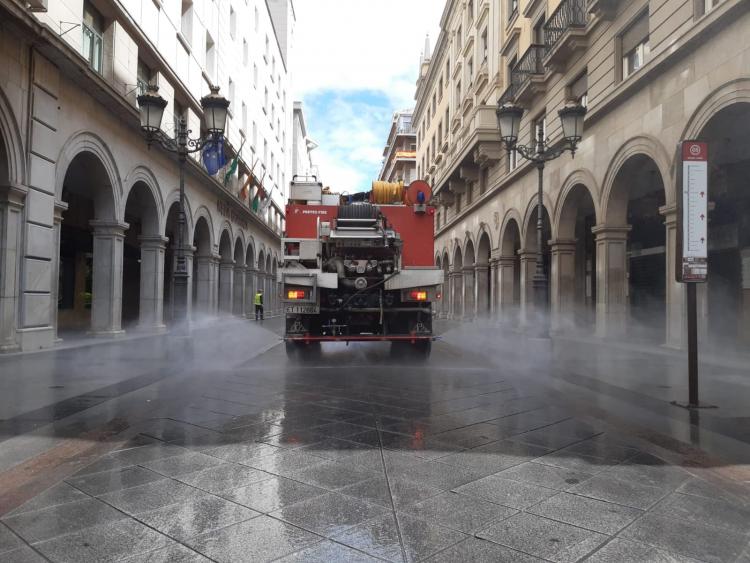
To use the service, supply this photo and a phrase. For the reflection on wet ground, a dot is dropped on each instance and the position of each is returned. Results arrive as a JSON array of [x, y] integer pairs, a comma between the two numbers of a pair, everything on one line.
[[357, 457]]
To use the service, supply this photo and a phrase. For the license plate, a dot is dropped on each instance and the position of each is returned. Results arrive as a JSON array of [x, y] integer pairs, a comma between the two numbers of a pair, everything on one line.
[[302, 309]]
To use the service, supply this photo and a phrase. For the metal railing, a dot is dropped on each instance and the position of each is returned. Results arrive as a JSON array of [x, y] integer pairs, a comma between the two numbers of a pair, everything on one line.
[[569, 14], [530, 64]]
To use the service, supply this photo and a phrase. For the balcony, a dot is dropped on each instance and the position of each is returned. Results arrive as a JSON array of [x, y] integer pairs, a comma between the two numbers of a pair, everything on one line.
[[527, 77], [565, 32]]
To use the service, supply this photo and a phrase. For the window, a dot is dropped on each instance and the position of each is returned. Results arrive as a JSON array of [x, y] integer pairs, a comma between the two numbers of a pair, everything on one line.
[[539, 125], [470, 10], [232, 22], [245, 52], [539, 31], [273, 68], [459, 37], [268, 49], [144, 76], [440, 88], [484, 180], [93, 27], [440, 132], [709, 5], [512, 8], [447, 71], [255, 75], [244, 118], [484, 46], [265, 152], [512, 160], [255, 135], [210, 58], [231, 95], [265, 101], [434, 103], [257, 20], [178, 112], [470, 71], [458, 204], [469, 192], [447, 115], [458, 92], [511, 65], [186, 23], [578, 90], [635, 46]]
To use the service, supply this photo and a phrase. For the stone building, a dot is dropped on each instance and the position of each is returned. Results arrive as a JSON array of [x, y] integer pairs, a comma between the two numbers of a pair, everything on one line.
[[400, 153], [651, 73], [88, 213], [302, 145]]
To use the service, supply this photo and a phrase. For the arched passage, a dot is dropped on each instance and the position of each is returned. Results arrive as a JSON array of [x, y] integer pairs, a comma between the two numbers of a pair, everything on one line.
[[457, 285], [535, 299], [574, 260], [91, 249], [238, 307], [445, 298], [470, 309], [483, 275], [632, 253], [250, 283], [226, 273], [509, 272], [725, 300], [204, 270], [143, 260]]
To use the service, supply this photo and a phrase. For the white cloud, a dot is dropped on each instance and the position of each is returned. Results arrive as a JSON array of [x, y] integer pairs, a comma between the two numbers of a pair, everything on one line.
[[355, 62]]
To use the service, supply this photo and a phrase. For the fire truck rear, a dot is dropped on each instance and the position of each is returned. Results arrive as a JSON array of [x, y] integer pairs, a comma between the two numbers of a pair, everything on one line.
[[359, 271]]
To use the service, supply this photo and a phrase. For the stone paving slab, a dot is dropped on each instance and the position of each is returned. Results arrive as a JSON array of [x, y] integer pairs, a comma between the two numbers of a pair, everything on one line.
[[509, 493], [481, 551], [271, 494], [625, 551], [328, 552], [173, 553], [595, 515]]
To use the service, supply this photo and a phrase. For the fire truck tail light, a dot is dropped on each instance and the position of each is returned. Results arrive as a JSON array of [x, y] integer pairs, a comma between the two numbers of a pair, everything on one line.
[[293, 294], [419, 295]]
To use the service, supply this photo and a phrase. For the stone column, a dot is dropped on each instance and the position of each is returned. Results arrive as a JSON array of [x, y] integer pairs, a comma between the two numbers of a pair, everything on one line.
[[151, 313], [506, 303], [226, 287], [482, 285], [676, 296], [562, 283], [494, 288], [238, 307], [611, 280], [249, 291], [204, 302], [12, 201], [457, 299], [60, 208], [469, 293], [106, 303], [528, 269]]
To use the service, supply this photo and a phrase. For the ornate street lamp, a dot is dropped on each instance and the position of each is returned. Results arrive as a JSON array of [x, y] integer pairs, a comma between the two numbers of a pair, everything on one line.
[[151, 106], [539, 152]]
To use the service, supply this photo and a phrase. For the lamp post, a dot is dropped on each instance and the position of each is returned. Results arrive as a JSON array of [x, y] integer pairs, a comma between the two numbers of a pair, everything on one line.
[[540, 152], [151, 106]]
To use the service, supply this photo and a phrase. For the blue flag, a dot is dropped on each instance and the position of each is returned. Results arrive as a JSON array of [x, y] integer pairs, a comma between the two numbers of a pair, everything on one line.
[[213, 156]]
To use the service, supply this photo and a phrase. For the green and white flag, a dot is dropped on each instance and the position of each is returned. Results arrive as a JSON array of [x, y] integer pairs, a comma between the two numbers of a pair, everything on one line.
[[233, 165]]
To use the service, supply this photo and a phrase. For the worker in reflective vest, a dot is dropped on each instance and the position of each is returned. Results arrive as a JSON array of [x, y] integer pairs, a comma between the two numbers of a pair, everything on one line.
[[259, 306]]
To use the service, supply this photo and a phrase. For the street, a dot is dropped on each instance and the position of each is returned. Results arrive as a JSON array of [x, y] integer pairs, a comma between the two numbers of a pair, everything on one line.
[[135, 451]]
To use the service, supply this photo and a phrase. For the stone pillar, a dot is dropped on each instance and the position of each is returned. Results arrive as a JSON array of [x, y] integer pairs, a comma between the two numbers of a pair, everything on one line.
[[562, 283], [106, 303], [506, 303], [528, 269], [676, 296], [151, 307], [12, 200], [470, 289], [226, 287], [206, 284], [494, 288], [611, 280], [249, 292], [457, 297], [483, 289], [238, 307], [60, 208]]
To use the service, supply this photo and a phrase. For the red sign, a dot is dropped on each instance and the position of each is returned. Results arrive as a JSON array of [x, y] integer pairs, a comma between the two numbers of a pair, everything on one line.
[[694, 150]]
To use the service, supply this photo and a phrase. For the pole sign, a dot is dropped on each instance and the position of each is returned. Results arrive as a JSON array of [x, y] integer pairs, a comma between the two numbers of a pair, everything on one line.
[[692, 216]]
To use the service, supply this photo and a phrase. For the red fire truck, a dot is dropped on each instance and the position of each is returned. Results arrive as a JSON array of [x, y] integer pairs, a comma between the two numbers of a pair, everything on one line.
[[359, 270]]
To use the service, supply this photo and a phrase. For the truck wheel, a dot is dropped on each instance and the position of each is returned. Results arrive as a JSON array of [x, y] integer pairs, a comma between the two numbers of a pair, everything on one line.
[[423, 349]]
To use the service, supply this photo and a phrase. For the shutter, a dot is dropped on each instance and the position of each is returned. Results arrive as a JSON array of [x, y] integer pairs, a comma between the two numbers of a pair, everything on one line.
[[635, 34], [579, 87]]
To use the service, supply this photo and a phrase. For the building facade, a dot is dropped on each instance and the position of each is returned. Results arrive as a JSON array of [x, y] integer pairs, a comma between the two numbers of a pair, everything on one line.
[[651, 73], [400, 153], [88, 212], [302, 145]]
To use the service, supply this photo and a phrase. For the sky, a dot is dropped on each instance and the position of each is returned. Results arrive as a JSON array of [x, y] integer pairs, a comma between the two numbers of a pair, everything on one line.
[[356, 62]]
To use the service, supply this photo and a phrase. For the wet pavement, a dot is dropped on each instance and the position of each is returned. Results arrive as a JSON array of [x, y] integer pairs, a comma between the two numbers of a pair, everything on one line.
[[496, 449]]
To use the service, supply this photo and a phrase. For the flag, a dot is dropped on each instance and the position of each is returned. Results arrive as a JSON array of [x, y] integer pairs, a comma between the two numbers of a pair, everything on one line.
[[246, 186], [267, 201], [213, 156], [233, 166], [260, 193]]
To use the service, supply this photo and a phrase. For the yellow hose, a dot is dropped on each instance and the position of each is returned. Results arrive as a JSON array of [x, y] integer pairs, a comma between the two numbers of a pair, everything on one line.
[[387, 192]]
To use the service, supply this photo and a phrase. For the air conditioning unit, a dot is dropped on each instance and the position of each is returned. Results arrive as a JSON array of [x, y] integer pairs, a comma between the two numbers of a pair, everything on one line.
[[37, 5]]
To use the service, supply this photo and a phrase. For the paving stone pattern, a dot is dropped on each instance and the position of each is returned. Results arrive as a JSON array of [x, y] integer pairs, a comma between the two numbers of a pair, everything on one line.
[[441, 465]]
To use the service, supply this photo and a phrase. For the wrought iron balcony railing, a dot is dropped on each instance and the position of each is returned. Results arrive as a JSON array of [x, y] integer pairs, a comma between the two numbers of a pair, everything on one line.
[[530, 64], [568, 15]]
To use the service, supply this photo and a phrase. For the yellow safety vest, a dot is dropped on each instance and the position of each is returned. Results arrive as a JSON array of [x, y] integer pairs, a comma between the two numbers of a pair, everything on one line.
[[259, 299]]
